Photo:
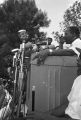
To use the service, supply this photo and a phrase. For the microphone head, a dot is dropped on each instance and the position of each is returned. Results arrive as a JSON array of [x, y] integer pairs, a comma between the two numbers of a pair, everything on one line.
[[15, 50]]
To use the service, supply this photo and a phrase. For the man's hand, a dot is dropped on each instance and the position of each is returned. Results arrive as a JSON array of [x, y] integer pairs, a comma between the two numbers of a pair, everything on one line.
[[28, 45], [41, 56]]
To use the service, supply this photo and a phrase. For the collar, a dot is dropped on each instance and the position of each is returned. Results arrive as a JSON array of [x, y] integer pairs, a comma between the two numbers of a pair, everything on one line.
[[76, 40]]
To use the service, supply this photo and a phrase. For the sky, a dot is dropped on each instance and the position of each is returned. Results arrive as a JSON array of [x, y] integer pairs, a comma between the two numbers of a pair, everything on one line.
[[55, 10]]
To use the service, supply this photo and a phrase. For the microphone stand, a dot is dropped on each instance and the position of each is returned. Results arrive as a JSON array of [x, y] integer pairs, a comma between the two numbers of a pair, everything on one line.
[[18, 64], [23, 35], [19, 83], [21, 75]]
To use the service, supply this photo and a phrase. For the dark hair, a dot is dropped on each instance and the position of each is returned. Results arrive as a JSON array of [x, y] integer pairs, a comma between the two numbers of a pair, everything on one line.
[[49, 38], [75, 30]]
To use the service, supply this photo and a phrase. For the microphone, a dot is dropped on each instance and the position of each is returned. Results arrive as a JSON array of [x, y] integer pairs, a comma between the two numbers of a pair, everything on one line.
[[14, 50]]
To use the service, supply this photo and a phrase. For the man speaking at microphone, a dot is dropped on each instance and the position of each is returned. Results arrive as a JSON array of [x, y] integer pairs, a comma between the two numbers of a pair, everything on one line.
[[72, 109], [72, 37]]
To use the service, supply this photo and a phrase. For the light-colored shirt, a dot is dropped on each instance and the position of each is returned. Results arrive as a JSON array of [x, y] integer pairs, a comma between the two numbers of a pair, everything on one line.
[[74, 98], [76, 44], [66, 46], [55, 43]]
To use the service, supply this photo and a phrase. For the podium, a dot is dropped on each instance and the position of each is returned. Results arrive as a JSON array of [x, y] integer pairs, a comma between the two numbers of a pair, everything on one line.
[[52, 82]]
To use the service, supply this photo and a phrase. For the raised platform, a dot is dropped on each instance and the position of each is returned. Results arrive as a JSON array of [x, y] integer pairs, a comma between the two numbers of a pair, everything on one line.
[[52, 81]]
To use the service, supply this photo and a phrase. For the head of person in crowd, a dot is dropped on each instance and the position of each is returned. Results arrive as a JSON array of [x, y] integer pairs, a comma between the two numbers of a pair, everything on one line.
[[49, 40], [23, 35], [71, 34]]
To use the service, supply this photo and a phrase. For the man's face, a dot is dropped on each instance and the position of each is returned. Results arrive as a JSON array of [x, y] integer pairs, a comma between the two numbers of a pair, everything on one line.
[[68, 36], [23, 35]]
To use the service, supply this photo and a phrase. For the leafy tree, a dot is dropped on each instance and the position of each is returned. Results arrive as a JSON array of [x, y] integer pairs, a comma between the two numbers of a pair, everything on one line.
[[72, 16], [16, 15]]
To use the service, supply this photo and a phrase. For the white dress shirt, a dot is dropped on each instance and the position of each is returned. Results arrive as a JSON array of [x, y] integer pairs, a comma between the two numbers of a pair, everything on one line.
[[76, 44], [55, 43], [74, 97]]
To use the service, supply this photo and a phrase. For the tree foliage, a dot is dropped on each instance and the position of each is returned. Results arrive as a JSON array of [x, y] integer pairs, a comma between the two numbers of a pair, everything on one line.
[[16, 15], [72, 16]]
